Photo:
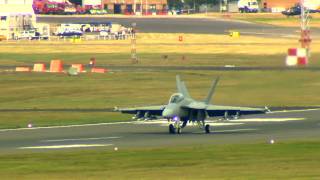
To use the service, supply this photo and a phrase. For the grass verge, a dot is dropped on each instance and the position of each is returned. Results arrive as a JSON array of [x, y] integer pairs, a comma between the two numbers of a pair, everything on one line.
[[290, 160], [127, 89]]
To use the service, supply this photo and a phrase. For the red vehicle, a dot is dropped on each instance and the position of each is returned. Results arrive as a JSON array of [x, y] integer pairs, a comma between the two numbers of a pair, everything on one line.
[[46, 7], [54, 8]]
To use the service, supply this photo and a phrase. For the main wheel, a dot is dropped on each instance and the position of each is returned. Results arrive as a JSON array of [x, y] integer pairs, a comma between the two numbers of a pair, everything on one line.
[[172, 130], [179, 130], [207, 128]]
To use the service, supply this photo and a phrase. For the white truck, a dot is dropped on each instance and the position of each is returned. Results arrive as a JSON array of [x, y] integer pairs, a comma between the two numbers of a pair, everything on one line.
[[248, 6]]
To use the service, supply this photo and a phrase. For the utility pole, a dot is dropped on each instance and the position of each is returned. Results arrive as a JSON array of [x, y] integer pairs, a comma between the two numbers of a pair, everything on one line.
[[141, 8], [206, 7], [305, 39], [146, 7], [134, 7], [134, 57]]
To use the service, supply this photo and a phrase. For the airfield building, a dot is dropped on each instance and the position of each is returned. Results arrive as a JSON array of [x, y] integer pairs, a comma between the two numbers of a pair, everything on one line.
[[16, 16], [130, 6]]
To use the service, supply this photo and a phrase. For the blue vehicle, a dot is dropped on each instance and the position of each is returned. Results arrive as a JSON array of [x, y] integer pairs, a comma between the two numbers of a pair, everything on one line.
[[70, 33], [296, 11]]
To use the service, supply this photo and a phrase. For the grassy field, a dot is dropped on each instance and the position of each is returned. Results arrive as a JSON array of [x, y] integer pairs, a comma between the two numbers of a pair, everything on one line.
[[126, 89], [290, 160], [151, 48]]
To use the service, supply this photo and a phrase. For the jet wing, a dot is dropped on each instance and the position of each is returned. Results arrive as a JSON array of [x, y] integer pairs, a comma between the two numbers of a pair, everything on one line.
[[216, 110], [152, 110]]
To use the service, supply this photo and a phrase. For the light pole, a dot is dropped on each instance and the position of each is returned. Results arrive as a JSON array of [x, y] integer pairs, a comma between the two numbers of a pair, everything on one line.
[[134, 58], [134, 7], [141, 8], [305, 39], [146, 7]]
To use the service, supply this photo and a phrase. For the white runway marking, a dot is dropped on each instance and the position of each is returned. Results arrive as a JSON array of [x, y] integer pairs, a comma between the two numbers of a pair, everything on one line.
[[69, 126], [151, 122], [166, 123], [79, 139], [216, 124], [234, 130], [268, 120], [66, 146], [299, 110], [263, 33]]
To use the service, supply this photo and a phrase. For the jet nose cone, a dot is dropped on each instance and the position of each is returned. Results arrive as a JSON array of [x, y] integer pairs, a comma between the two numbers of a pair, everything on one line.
[[167, 113]]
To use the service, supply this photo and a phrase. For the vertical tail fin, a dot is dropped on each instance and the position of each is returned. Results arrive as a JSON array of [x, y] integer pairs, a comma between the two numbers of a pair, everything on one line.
[[181, 87], [212, 90]]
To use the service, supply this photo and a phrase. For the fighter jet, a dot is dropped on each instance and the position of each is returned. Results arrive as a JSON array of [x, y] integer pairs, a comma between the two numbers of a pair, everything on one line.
[[183, 109]]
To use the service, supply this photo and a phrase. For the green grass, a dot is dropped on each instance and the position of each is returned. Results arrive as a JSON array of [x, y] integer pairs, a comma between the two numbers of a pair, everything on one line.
[[154, 59], [191, 59], [291, 160], [127, 89]]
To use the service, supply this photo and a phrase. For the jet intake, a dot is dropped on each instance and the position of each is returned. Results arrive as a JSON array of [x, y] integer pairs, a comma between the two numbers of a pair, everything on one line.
[[197, 115]]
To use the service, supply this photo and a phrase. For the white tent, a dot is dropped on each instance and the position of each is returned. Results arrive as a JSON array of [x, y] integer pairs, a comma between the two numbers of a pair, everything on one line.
[[15, 17], [16, 2]]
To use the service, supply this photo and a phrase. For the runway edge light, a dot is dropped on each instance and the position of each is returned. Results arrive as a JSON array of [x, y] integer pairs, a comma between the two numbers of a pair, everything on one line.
[[272, 141]]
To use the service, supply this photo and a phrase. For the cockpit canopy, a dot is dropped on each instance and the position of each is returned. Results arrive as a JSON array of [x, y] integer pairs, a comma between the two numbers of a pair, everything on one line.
[[176, 98]]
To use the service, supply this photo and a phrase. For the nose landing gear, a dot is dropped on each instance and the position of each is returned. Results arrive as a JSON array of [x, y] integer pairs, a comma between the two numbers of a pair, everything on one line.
[[176, 127]]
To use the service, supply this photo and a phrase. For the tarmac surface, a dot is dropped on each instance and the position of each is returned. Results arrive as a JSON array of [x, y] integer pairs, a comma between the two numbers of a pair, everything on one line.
[[184, 25], [278, 126]]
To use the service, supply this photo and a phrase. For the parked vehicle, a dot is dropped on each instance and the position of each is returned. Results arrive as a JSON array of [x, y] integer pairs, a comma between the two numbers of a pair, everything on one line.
[[51, 7], [3, 37], [31, 34], [248, 6], [70, 33], [70, 9], [98, 11]]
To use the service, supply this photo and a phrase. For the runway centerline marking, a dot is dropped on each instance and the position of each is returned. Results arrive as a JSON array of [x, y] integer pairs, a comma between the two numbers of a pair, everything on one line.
[[79, 139], [66, 146], [268, 120]]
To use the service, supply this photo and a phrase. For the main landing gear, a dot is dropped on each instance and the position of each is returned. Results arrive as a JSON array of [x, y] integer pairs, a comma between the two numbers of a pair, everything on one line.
[[176, 127], [205, 127]]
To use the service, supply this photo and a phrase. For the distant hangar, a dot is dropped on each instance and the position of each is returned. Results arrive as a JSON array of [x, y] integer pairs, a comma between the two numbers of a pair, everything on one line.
[[130, 6]]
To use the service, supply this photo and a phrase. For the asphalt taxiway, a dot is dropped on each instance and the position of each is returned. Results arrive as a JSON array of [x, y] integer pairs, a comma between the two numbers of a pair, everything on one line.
[[278, 126], [184, 25]]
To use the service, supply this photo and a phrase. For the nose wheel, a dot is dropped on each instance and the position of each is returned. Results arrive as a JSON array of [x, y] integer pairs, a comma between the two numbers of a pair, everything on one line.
[[176, 127], [172, 129]]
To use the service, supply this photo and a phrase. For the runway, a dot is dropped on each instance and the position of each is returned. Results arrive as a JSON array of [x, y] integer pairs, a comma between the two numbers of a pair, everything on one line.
[[279, 126], [184, 25]]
